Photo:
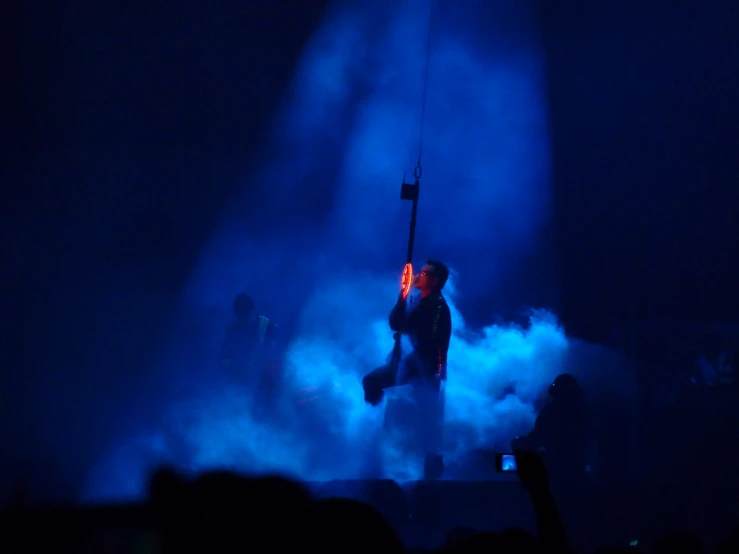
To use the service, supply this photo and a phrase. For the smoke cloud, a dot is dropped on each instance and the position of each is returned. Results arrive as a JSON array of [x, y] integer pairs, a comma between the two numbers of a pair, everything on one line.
[[322, 429]]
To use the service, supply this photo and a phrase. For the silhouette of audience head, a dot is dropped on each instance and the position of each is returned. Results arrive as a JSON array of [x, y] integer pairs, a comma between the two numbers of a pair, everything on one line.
[[224, 512], [565, 387], [344, 525]]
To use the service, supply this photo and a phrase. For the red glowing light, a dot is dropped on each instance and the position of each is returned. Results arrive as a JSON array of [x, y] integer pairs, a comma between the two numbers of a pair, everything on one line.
[[406, 281]]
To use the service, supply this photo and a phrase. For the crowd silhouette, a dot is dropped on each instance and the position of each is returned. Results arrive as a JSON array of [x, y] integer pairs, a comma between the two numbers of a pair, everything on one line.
[[223, 512]]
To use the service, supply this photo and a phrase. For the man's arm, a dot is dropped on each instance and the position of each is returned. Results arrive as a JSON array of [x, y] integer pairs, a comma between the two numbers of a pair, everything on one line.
[[441, 332], [271, 345], [533, 476], [397, 317], [538, 438], [271, 336], [272, 342]]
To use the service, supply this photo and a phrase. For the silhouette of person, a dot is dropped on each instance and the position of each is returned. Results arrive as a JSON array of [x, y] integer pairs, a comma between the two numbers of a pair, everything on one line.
[[561, 431], [425, 319], [249, 349]]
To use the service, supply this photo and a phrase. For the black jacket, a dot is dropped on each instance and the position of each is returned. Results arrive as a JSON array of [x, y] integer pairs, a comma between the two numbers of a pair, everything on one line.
[[249, 344], [428, 324]]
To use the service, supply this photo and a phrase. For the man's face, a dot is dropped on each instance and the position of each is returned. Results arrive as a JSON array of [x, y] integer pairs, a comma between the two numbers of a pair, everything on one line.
[[425, 280]]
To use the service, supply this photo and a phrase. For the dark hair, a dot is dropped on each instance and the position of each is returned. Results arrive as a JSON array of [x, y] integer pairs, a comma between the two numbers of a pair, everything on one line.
[[243, 304], [565, 385], [441, 272]]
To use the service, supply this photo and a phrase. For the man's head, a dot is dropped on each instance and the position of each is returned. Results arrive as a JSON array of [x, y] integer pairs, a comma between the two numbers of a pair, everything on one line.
[[432, 277], [245, 309], [564, 388]]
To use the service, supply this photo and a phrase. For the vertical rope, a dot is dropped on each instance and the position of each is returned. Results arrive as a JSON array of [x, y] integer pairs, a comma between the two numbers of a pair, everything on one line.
[[425, 84]]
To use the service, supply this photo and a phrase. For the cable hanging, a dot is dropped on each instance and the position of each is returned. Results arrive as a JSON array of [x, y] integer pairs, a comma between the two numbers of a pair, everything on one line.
[[418, 172], [410, 191]]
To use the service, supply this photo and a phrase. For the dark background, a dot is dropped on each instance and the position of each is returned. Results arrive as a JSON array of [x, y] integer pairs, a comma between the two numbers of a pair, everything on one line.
[[642, 98], [128, 130]]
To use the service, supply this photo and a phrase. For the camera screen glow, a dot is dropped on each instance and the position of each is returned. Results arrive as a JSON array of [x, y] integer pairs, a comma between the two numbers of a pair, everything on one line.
[[508, 462]]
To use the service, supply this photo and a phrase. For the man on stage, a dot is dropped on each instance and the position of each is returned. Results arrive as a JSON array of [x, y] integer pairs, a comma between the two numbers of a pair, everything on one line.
[[425, 319], [249, 350]]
